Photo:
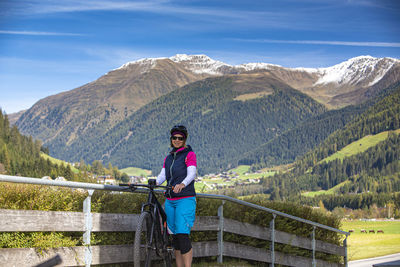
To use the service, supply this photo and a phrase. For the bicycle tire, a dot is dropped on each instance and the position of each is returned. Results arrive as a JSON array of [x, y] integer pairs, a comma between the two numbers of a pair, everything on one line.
[[141, 245]]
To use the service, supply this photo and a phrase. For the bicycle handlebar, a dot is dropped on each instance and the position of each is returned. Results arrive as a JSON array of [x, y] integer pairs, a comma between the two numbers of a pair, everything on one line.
[[146, 185], [151, 184]]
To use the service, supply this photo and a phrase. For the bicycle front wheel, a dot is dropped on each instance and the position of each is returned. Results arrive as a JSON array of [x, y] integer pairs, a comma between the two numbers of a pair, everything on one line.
[[142, 246]]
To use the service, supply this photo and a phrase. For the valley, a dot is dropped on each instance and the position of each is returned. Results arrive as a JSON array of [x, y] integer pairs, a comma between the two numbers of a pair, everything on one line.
[[327, 135], [121, 104]]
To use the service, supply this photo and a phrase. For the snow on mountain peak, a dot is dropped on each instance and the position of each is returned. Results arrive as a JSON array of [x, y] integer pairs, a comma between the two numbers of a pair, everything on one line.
[[199, 63], [356, 70], [366, 69], [145, 63], [256, 66]]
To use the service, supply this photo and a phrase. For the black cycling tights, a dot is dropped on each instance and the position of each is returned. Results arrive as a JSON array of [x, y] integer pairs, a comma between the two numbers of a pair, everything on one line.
[[182, 242]]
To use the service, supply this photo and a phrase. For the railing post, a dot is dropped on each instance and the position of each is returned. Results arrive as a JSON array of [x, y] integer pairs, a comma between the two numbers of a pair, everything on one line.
[[346, 260], [88, 228], [221, 232], [314, 263], [272, 227]]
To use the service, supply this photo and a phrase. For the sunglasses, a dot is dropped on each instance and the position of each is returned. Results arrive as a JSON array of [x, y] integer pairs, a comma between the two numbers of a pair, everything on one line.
[[177, 138]]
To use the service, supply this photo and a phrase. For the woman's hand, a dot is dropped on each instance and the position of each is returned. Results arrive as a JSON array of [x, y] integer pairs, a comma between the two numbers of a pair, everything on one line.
[[178, 188]]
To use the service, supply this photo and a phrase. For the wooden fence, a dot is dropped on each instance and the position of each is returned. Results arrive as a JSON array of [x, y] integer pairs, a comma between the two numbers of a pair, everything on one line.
[[57, 221]]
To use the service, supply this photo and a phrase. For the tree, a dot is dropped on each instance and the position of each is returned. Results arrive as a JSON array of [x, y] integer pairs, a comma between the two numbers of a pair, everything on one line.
[[321, 206], [6, 159], [97, 167]]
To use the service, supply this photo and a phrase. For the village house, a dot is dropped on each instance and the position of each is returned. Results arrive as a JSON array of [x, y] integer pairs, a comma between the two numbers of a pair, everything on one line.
[[106, 179]]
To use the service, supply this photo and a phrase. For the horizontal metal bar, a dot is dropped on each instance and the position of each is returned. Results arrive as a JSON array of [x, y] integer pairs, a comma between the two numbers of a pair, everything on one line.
[[241, 202], [28, 180]]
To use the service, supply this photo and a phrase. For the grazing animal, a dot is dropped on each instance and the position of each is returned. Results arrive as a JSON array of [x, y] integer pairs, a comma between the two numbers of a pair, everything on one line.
[[372, 231], [351, 231], [380, 231], [363, 231]]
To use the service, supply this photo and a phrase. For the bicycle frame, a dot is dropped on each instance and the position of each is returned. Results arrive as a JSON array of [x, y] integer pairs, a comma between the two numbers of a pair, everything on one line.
[[156, 228]]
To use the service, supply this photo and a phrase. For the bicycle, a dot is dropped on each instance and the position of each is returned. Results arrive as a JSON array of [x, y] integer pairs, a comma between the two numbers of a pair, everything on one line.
[[149, 244]]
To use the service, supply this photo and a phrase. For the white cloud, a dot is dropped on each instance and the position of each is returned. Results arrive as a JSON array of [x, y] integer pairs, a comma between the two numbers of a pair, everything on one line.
[[39, 33], [319, 42], [216, 15]]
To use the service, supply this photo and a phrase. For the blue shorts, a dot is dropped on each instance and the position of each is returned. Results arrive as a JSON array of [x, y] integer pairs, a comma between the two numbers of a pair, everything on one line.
[[180, 214]]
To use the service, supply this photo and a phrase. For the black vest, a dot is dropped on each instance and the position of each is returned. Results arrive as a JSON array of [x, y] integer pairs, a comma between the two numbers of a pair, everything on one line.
[[176, 171]]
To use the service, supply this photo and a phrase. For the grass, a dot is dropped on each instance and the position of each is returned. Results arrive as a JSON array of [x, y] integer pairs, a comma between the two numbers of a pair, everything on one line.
[[366, 245], [330, 191], [252, 96], [359, 146], [133, 171], [354, 148], [242, 175], [58, 161], [241, 169]]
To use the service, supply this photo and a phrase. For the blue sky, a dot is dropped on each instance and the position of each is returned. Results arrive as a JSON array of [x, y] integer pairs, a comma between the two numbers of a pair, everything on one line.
[[50, 46]]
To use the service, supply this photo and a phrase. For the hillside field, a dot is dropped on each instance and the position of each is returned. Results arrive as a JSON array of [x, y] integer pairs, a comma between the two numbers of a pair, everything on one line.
[[330, 191], [368, 245], [237, 176], [58, 161], [133, 171], [359, 146]]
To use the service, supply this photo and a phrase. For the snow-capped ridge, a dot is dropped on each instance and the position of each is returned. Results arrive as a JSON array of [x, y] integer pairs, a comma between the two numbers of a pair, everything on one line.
[[200, 63], [352, 71], [355, 70], [256, 66], [149, 62]]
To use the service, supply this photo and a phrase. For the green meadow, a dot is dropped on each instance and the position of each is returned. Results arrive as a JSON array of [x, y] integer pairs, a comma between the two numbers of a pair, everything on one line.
[[58, 161], [325, 192], [241, 170], [240, 174], [359, 146], [368, 245], [133, 171]]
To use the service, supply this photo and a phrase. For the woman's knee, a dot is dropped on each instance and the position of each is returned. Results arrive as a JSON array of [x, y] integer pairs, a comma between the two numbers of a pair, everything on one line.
[[182, 243]]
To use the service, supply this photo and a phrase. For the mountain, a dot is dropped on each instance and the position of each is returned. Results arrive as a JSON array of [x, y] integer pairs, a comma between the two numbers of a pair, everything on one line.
[[14, 117], [226, 116], [70, 123], [349, 82], [96, 107], [367, 171]]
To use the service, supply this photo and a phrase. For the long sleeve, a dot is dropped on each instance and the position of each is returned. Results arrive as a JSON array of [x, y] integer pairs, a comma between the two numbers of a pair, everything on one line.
[[161, 177], [191, 175]]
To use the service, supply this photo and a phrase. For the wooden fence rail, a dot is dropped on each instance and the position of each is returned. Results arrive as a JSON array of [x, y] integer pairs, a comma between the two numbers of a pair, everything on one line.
[[49, 221]]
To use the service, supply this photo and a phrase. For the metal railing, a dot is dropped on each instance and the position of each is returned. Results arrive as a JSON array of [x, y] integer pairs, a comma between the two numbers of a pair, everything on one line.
[[91, 187]]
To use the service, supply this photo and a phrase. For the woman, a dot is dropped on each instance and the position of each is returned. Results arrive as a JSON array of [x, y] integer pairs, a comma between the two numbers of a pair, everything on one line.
[[180, 206]]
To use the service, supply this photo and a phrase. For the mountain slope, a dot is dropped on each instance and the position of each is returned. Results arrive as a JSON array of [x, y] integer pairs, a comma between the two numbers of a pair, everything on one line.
[[71, 122], [21, 155], [348, 83], [374, 170], [221, 126], [94, 108], [297, 141]]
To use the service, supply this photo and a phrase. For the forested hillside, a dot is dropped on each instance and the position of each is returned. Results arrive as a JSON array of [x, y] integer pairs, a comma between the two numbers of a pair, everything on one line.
[[374, 171], [226, 117], [20, 155], [295, 142], [303, 138]]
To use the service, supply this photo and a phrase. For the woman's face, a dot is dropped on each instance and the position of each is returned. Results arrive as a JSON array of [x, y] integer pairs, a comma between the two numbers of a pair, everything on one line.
[[178, 140]]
